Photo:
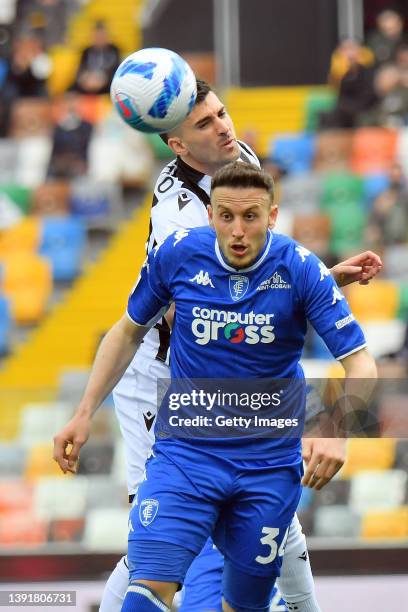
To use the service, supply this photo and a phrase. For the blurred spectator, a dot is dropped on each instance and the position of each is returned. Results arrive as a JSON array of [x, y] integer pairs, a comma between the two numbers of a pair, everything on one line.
[[392, 92], [26, 74], [69, 156], [388, 221], [346, 54], [47, 18], [98, 64], [356, 89], [388, 35], [29, 68]]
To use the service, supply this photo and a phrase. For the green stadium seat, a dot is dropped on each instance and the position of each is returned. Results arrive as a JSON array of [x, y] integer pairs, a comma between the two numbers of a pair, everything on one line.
[[348, 221], [160, 149], [317, 102], [341, 188], [20, 195]]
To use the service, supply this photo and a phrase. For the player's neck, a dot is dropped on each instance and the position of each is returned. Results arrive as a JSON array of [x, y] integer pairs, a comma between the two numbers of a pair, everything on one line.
[[209, 169]]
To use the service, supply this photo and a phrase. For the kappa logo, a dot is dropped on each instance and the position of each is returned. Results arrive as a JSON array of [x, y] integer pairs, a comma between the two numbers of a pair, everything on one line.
[[337, 296], [148, 511], [179, 235], [238, 286], [303, 253], [202, 278], [323, 271], [274, 282], [183, 200]]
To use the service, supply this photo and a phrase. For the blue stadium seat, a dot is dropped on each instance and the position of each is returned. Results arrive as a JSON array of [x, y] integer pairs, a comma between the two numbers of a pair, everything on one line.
[[293, 154], [63, 242], [374, 184], [5, 324]]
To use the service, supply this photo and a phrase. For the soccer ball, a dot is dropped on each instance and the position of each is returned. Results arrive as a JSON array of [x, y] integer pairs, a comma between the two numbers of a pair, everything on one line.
[[154, 90]]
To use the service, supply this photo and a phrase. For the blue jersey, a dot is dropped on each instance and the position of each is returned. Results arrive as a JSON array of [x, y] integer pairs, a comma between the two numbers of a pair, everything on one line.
[[247, 323]]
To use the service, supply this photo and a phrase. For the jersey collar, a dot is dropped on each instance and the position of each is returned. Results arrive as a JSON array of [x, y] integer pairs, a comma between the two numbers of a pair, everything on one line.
[[264, 252]]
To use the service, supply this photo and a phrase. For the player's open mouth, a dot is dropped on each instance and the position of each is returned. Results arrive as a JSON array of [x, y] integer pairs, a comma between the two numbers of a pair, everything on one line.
[[239, 249], [228, 143]]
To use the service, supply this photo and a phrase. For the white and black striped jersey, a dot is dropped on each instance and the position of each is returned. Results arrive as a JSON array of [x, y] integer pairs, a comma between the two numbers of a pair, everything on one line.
[[180, 200]]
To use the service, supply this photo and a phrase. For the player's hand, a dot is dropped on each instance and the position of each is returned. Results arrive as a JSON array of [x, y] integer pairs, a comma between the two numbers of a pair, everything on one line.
[[323, 457], [362, 268], [68, 442]]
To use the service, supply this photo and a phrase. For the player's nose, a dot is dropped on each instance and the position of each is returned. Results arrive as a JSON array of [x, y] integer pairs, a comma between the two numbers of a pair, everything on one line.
[[237, 229]]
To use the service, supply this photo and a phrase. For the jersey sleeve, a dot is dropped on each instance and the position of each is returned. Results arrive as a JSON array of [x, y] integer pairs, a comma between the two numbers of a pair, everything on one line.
[[151, 296], [326, 307], [181, 209]]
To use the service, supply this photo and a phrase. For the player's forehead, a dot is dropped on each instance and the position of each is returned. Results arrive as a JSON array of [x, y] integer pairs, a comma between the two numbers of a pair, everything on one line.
[[211, 105], [240, 198]]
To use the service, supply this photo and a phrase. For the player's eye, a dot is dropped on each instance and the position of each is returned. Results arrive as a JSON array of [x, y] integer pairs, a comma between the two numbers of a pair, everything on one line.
[[225, 216]]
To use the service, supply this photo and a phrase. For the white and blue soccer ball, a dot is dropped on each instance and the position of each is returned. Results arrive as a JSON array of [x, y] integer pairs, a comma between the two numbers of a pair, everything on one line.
[[154, 90]]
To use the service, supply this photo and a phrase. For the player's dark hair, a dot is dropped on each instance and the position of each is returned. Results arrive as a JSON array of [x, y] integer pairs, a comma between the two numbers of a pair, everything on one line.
[[241, 174], [203, 89]]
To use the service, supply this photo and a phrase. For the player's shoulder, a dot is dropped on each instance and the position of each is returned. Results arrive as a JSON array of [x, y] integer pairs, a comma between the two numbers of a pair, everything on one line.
[[291, 251], [185, 242], [247, 154]]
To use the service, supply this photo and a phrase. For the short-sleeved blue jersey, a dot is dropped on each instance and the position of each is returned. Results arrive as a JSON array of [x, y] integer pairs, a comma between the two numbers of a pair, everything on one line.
[[247, 323]]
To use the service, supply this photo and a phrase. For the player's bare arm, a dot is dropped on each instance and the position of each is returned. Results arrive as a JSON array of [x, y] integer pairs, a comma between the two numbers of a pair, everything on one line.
[[325, 456], [360, 268], [113, 357]]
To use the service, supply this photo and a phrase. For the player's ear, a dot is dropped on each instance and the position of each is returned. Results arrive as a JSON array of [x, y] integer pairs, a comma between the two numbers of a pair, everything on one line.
[[273, 214], [176, 145], [210, 215]]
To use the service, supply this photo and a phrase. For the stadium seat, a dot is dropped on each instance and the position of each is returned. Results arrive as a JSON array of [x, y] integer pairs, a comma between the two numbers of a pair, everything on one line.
[[340, 189], [20, 195], [39, 463], [99, 204], [8, 160], [64, 66], [393, 414], [104, 491], [373, 150], [313, 232], [336, 521], [23, 236], [384, 337], [40, 422], [33, 157], [63, 243], [30, 117], [97, 537], [347, 222], [5, 325], [15, 494], [306, 499], [395, 260], [377, 490], [335, 493], [66, 530], [377, 302], [13, 459], [401, 455], [160, 150], [51, 198], [22, 529], [374, 184], [402, 312], [402, 147], [284, 222], [27, 282], [96, 458], [72, 385], [388, 524], [60, 498], [318, 102], [293, 153], [300, 193], [333, 151], [368, 454]]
